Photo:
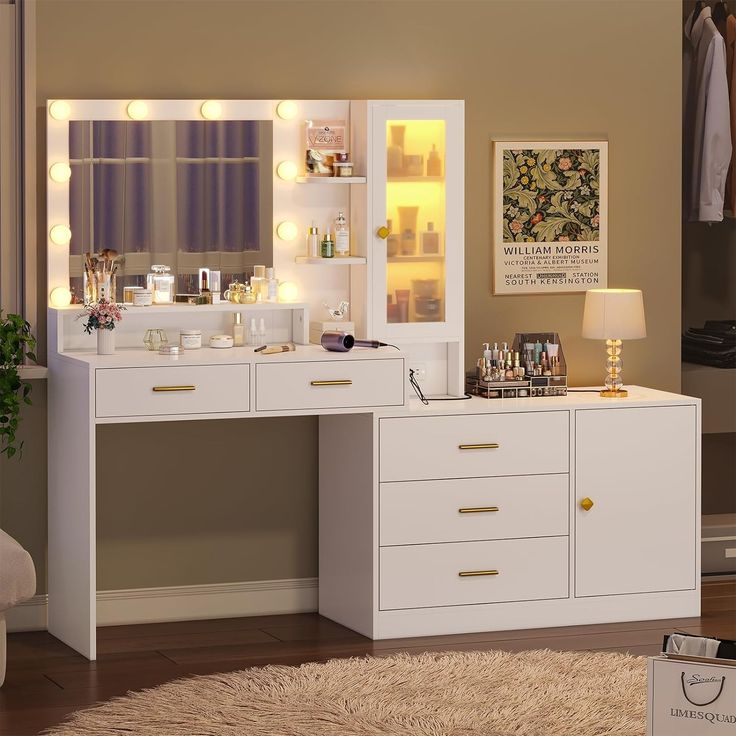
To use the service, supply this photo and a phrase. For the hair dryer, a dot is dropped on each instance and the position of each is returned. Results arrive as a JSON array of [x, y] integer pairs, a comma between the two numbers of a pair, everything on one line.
[[342, 342]]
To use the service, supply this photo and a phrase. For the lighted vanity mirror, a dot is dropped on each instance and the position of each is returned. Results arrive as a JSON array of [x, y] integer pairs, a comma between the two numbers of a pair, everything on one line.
[[178, 193]]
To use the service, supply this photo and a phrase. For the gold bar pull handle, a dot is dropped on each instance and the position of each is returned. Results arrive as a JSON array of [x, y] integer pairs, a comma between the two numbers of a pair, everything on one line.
[[337, 382], [477, 573], [478, 509], [480, 446], [164, 389]]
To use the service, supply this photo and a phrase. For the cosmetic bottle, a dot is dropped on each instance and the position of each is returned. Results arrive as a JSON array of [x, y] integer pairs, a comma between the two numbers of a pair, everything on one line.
[[256, 282], [538, 352], [327, 247], [313, 241], [272, 286], [161, 283], [434, 162], [408, 243], [253, 332], [262, 331], [487, 353], [430, 240], [238, 331], [342, 236], [494, 352]]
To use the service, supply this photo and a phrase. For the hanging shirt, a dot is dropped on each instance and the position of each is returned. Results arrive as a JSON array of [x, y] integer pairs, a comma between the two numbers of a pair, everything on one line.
[[706, 123], [727, 29]]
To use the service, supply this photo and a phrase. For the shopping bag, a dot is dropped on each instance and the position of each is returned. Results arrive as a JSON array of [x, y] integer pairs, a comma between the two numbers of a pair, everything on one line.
[[691, 696]]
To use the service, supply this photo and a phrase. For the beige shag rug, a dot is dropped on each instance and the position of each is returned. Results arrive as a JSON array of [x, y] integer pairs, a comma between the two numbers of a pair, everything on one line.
[[537, 693]]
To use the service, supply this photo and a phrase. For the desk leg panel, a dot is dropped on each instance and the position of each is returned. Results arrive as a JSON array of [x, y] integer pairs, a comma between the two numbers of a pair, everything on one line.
[[71, 507]]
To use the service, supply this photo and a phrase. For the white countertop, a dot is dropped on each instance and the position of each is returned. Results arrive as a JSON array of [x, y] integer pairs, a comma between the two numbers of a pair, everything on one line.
[[578, 397], [140, 358]]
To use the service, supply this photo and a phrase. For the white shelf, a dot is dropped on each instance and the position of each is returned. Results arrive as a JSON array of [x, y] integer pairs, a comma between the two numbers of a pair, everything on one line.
[[415, 259], [416, 179], [223, 306], [31, 372], [336, 261], [331, 179]]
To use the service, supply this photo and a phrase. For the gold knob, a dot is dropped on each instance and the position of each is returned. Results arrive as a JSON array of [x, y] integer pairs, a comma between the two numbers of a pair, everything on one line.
[[586, 504], [383, 232]]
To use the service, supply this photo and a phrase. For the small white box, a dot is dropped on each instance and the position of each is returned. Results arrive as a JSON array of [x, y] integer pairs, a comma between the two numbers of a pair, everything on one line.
[[691, 698], [317, 328]]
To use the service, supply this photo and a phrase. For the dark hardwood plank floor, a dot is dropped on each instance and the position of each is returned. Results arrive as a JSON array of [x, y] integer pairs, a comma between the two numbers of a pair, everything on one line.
[[47, 681]]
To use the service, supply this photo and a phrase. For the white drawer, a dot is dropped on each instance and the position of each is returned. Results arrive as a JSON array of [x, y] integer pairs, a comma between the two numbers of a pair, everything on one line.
[[474, 446], [327, 384], [423, 576], [469, 509], [201, 389]]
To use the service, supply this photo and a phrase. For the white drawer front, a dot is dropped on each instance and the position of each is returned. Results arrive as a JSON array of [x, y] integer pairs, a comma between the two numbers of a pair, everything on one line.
[[423, 576], [474, 446], [330, 384], [202, 389], [469, 509]]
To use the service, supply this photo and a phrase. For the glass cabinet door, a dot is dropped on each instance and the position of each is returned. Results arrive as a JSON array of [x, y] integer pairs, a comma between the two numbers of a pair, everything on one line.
[[417, 160]]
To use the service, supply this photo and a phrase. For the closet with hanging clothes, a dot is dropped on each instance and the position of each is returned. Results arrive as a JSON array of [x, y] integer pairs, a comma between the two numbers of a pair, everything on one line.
[[709, 261]]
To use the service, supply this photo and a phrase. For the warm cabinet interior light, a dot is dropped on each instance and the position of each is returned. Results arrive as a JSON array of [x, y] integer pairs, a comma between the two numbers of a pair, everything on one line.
[[60, 172], [60, 234], [211, 110], [287, 230], [288, 291], [137, 110], [60, 110], [286, 109], [286, 170], [60, 297]]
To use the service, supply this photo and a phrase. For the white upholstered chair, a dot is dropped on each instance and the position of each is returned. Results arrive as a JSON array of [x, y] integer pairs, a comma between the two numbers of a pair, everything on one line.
[[17, 584]]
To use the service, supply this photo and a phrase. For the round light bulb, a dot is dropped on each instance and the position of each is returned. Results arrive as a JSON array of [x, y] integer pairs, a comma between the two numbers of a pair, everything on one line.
[[60, 297], [60, 234], [60, 110], [60, 172], [287, 109], [287, 230], [288, 291], [287, 170], [137, 110], [211, 110]]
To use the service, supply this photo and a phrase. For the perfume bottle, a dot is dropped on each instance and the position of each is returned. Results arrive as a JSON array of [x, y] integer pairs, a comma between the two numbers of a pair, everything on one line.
[[238, 331], [434, 162], [342, 236], [253, 332], [430, 241]]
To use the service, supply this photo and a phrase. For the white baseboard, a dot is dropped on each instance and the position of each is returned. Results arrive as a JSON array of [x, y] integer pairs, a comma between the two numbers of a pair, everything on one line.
[[183, 603]]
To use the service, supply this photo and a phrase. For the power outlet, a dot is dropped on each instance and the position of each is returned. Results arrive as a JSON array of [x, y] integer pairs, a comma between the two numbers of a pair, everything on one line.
[[420, 370]]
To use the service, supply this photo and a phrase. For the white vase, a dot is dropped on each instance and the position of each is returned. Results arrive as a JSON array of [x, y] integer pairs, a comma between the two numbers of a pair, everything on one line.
[[105, 342]]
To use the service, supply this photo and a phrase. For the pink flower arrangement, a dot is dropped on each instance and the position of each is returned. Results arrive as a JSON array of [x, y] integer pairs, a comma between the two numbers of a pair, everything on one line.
[[102, 315]]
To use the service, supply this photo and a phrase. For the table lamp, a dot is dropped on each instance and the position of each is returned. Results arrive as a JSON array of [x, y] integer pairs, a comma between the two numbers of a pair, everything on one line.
[[614, 315]]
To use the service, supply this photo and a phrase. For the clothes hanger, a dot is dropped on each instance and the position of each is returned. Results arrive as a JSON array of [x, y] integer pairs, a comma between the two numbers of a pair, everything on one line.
[[696, 12], [720, 11]]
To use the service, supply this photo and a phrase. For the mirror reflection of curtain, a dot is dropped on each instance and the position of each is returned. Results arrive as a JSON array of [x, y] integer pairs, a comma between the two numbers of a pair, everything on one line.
[[155, 191]]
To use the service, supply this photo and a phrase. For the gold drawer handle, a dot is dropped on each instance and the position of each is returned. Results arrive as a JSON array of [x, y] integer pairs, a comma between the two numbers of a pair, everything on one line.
[[481, 446], [586, 504], [161, 389], [339, 382], [477, 573], [478, 509]]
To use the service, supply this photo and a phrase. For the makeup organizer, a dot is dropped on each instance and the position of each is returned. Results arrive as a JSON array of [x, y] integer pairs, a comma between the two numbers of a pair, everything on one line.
[[533, 367]]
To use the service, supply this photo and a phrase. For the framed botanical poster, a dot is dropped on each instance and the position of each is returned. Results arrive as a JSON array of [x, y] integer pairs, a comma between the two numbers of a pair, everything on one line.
[[550, 216]]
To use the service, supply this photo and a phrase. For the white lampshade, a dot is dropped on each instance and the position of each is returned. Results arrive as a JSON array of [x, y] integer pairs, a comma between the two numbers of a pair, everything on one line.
[[614, 314]]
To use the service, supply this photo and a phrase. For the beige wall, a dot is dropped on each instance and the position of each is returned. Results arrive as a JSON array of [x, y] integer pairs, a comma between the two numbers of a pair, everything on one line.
[[540, 69]]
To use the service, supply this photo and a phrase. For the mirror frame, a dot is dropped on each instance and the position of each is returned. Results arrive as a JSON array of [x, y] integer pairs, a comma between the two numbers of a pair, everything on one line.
[[61, 112]]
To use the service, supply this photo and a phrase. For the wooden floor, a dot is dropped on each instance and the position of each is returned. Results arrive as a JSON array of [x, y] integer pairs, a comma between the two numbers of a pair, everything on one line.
[[46, 680]]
